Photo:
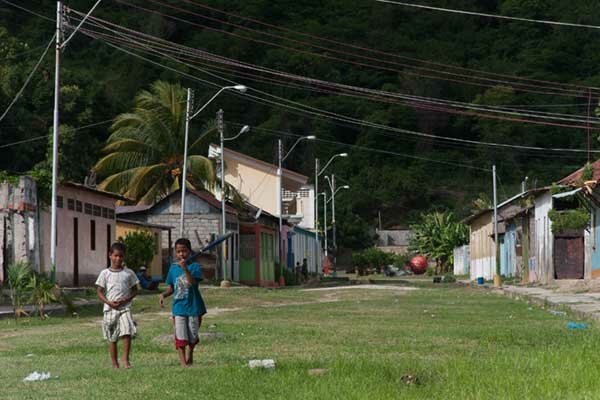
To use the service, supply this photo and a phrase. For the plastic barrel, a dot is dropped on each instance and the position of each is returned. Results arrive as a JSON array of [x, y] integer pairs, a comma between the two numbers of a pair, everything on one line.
[[480, 280]]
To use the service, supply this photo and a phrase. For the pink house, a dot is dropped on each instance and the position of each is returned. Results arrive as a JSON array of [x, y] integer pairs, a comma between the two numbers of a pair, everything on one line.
[[85, 230]]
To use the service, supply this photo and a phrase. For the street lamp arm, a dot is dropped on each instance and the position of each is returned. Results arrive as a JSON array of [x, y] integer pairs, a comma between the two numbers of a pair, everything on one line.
[[292, 148], [245, 129], [208, 102], [330, 184], [327, 165]]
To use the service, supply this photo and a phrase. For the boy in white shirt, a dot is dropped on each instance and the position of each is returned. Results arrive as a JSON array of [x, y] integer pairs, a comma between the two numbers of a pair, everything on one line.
[[117, 286]]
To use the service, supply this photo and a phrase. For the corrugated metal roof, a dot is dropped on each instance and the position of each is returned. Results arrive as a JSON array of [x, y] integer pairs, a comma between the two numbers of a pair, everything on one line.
[[574, 177]]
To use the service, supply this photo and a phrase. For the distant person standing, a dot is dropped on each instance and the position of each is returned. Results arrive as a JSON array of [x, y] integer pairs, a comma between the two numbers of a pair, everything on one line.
[[305, 269]]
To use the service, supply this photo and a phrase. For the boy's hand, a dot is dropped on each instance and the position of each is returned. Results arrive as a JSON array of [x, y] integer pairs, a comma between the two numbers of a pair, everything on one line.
[[182, 264], [114, 304]]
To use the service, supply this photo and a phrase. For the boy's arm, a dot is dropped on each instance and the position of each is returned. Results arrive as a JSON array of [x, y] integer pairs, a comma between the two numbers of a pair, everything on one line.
[[187, 272], [165, 294], [102, 297], [132, 294]]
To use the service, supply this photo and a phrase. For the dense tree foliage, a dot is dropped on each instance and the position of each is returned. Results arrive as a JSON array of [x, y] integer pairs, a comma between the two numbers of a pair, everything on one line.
[[99, 83]]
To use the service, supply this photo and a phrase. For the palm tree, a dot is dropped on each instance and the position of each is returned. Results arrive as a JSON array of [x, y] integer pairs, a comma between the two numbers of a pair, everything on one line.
[[144, 154]]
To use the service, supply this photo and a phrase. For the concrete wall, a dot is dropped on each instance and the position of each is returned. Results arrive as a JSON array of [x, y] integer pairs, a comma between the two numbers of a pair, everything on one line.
[[482, 257], [91, 259], [541, 265], [19, 238], [461, 260]]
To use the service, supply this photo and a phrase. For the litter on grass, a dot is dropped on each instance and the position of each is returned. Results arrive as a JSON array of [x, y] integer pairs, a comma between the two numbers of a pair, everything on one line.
[[554, 312], [37, 376], [265, 364], [575, 325]]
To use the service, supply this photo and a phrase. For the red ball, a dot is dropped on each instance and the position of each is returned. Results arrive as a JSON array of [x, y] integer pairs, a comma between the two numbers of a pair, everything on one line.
[[418, 265]]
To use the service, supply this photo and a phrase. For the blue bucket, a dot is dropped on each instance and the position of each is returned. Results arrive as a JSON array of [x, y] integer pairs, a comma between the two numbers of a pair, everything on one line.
[[480, 280]]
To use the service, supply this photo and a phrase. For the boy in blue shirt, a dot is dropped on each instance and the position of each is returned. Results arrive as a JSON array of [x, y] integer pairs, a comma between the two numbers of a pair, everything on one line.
[[188, 306]]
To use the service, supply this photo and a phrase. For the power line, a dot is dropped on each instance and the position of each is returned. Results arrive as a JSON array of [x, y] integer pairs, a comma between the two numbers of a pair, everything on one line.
[[478, 14], [20, 92], [27, 10], [322, 113], [180, 51], [363, 49], [46, 136], [493, 82]]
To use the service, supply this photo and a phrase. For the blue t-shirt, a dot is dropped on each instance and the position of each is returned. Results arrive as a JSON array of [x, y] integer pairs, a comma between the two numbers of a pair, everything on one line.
[[186, 296]]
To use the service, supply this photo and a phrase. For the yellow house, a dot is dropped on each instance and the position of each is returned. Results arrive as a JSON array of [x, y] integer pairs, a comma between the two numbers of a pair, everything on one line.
[[125, 226]]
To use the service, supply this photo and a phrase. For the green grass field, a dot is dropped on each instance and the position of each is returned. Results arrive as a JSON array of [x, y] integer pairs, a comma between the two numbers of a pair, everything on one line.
[[459, 343]]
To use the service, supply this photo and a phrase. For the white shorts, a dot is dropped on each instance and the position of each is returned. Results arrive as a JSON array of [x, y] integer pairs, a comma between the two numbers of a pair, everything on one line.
[[186, 331], [118, 323]]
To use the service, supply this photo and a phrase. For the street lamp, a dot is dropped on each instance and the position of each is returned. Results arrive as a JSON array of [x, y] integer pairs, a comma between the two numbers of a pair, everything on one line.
[[281, 159], [188, 118], [244, 129], [333, 193], [318, 173]]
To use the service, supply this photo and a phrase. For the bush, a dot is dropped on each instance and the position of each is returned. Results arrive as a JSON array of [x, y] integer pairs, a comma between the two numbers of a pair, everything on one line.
[[430, 271], [141, 247], [19, 275], [43, 292], [372, 258], [448, 278]]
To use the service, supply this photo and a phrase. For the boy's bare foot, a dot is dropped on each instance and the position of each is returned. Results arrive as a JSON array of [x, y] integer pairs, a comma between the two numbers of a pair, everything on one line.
[[116, 366], [127, 365]]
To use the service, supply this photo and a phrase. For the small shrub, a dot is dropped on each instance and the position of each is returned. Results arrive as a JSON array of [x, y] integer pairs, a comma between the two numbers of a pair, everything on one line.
[[449, 278], [575, 219], [141, 247], [43, 292], [430, 271], [19, 274]]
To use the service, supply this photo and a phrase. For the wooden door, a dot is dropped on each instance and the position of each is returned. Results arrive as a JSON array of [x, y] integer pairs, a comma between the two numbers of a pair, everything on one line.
[[569, 257]]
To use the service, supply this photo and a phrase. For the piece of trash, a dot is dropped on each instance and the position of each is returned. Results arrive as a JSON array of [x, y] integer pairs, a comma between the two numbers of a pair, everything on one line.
[[409, 379], [213, 326], [530, 308], [317, 371], [555, 312], [37, 376], [29, 355], [576, 325], [266, 364]]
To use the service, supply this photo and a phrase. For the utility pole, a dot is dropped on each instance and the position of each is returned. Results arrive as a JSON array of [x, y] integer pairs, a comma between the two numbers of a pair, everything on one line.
[[59, 22], [497, 278], [221, 129], [317, 200], [184, 174], [333, 221], [59, 46], [280, 208], [325, 221]]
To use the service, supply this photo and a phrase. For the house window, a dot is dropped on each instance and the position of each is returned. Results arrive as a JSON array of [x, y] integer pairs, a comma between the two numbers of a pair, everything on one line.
[[59, 201], [88, 208], [111, 214], [97, 211], [104, 212], [93, 234], [71, 204], [78, 206]]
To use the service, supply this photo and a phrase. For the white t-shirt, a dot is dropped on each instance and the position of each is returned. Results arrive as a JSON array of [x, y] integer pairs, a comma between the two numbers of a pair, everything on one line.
[[116, 285]]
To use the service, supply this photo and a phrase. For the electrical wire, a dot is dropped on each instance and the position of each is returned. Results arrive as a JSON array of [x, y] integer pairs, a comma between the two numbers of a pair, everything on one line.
[[3, 146], [179, 51], [478, 14], [20, 92], [493, 82]]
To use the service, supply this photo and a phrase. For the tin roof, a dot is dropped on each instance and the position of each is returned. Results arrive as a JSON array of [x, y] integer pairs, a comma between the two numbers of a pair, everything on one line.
[[574, 177]]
